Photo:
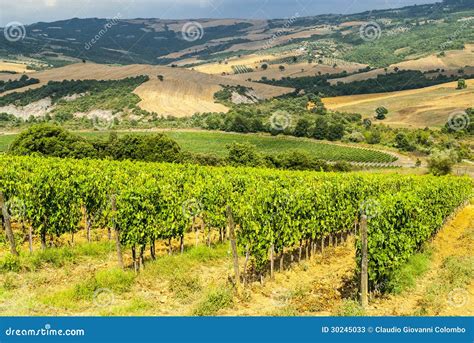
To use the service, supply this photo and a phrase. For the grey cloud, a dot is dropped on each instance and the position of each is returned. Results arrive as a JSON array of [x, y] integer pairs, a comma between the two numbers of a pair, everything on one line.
[[30, 11]]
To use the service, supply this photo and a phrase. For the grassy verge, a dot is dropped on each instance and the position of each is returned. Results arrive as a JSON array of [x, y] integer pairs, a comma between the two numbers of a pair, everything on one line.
[[406, 277], [213, 302], [450, 287], [57, 257]]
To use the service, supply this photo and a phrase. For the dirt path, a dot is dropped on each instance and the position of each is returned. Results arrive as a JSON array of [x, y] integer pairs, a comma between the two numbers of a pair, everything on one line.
[[314, 287], [455, 239], [311, 287]]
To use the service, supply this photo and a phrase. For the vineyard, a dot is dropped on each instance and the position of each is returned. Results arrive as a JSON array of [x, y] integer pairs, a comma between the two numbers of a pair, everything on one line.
[[241, 69], [274, 213]]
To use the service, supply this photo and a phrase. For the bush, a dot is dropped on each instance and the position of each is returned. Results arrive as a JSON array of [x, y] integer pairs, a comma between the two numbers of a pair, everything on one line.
[[202, 159], [321, 128], [356, 137], [213, 302], [373, 137], [441, 163], [381, 113], [149, 148], [342, 166], [335, 132], [461, 84], [402, 143], [10, 263], [51, 140], [243, 154]]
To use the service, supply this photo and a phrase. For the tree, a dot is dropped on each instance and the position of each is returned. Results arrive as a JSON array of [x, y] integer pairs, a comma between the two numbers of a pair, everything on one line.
[[381, 113], [302, 128], [51, 140], [373, 137], [461, 84], [321, 128], [335, 132], [150, 148], [367, 123], [264, 66], [239, 124], [402, 142], [315, 104], [282, 68]]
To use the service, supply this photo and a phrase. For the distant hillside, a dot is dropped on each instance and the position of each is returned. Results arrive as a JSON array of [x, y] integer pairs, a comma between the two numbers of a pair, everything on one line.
[[418, 108], [170, 91], [157, 41]]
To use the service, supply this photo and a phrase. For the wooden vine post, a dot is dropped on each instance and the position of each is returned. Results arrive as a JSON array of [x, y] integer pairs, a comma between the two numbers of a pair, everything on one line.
[[117, 233], [8, 225], [272, 260], [233, 244], [364, 279]]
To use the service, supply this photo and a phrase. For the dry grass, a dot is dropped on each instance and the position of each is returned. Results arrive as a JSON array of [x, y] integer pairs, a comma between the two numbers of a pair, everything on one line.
[[451, 63], [178, 98], [251, 61], [13, 67], [196, 282], [295, 70], [181, 93], [430, 106]]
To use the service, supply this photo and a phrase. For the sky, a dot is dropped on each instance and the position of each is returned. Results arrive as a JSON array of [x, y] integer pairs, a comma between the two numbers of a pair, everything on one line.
[[31, 11]]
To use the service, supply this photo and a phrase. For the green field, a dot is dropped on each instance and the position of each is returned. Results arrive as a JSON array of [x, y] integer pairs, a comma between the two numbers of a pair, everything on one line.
[[5, 141], [216, 142]]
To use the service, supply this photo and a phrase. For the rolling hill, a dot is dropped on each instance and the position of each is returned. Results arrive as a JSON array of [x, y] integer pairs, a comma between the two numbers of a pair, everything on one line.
[[405, 33], [181, 93], [429, 106]]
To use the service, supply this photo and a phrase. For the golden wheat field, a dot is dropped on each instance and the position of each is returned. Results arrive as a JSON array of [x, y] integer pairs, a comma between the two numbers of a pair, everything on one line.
[[430, 106]]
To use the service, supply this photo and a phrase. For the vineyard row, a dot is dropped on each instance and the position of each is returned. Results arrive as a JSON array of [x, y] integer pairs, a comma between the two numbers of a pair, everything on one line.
[[274, 211]]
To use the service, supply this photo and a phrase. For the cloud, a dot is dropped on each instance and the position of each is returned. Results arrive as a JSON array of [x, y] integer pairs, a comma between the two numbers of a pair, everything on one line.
[[30, 11], [50, 3]]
